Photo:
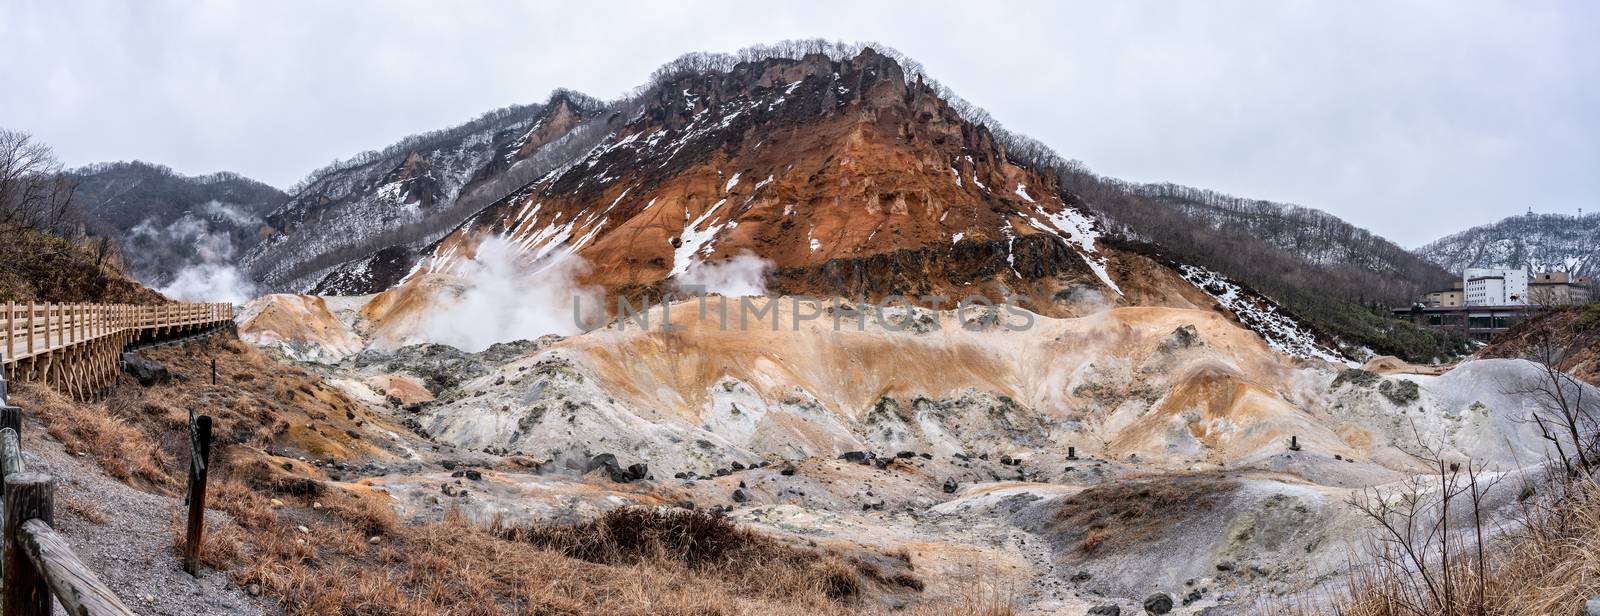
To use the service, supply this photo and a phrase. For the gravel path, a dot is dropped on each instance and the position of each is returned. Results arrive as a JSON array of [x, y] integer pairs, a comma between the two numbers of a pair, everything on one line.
[[126, 537]]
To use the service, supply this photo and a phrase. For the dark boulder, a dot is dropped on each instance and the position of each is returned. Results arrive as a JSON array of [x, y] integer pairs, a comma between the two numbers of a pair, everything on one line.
[[1159, 603], [740, 496], [608, 463], [1109, 609], [950, 485], [146, 371]]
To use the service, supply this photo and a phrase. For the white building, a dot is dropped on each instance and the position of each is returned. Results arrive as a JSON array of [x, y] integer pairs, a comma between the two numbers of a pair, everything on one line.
[[1495, 287]]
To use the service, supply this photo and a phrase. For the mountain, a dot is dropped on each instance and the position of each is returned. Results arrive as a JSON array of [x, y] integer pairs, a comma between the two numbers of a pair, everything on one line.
[[165, 221], [805, 168], [353, 226], [1538, 242], [1184, 371], [842, 173]]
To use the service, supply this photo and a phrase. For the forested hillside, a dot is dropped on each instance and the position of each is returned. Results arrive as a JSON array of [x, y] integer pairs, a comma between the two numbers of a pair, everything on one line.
[[166, 221], [1329, 273], [49, 252]]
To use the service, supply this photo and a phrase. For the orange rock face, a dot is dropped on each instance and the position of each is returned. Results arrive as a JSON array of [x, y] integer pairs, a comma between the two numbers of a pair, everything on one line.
[[848, 179]]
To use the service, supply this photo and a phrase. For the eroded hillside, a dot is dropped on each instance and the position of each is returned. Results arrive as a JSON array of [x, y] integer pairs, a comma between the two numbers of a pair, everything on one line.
[[1072, 457]]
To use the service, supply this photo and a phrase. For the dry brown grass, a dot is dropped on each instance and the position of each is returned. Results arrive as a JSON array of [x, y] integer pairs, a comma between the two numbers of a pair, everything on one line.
[[1124, 513], [115, 442], [638, 563], [1548, 563], [139, 434]]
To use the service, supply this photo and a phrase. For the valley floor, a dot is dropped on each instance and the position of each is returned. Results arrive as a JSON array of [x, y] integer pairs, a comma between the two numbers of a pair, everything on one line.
[[1133, 457]]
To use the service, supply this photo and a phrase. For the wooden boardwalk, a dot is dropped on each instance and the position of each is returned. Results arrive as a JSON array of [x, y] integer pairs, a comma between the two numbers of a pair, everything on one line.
[[76, 347]]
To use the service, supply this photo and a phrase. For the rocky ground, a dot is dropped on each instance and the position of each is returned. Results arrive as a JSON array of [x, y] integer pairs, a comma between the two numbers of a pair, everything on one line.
[[1132, 454], [126, 537]]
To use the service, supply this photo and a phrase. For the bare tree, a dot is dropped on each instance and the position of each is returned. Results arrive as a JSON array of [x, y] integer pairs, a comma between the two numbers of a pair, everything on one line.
[[34, 193], [1429, 562], [1567, 416]]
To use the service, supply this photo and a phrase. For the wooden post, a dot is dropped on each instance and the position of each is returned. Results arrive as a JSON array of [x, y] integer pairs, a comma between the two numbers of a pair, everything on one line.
[[11, 417], [1072, 453], [213, 368], [24, 591], [30, 328], [1294, 443], [199, 457], [10, 454]]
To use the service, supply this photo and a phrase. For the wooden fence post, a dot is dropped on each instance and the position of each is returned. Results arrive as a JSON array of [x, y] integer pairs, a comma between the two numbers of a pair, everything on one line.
[[199, 458], [10, 455], [24, 591], [4, 393], [29, 331], [11, 417]]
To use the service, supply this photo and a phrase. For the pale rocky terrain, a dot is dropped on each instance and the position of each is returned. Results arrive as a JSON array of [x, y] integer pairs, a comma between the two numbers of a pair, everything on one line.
[[1083, 461]]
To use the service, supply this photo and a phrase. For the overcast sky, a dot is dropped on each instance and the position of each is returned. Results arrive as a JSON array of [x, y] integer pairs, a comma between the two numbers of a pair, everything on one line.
[[1414, 120]]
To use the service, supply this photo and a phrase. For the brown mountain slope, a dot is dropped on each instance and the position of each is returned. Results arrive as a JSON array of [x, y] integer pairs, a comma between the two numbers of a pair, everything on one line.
[[847, 177], [841, 178]]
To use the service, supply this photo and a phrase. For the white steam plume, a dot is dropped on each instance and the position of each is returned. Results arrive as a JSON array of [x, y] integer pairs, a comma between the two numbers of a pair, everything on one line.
[[741, 276], [504, 297], [213, 277]]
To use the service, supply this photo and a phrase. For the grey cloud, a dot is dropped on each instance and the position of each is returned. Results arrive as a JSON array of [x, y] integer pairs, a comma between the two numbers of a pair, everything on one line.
[[1412, 119]]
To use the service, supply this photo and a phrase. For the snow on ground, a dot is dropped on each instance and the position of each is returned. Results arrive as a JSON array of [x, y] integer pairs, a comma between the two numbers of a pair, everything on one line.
[[1080, 232], [1281, 331], [694, 239]]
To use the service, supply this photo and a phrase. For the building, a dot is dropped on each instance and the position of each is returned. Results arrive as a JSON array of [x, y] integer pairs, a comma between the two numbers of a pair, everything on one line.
[[1445, 298], [1475, 322], [1495, 287], [1489, 301], [1557, 288]]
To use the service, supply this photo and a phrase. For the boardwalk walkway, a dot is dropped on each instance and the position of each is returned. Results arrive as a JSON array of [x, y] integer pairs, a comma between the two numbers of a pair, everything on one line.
[[75, 347]]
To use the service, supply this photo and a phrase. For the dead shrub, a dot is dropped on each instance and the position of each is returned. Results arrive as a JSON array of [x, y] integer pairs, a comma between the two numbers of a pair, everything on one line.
[[1120, 514], [631, 534], [365, 513]]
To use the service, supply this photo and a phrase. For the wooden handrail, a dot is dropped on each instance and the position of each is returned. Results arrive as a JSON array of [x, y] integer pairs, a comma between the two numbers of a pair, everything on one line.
[[75, 585], [30, 330]]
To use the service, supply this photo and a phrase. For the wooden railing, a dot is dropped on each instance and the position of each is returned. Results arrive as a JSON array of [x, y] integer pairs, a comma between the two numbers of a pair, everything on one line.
[[29, 330], [75, 346], [37, 565]]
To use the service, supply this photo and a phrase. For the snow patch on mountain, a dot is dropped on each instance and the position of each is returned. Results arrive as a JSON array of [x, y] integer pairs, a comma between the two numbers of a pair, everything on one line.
[[1537, 242], [1262, 315]]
